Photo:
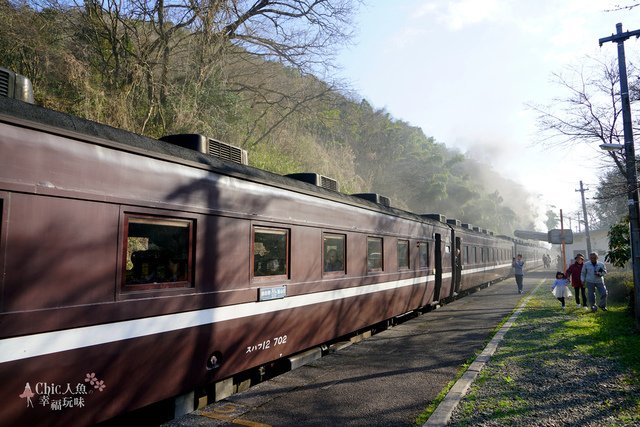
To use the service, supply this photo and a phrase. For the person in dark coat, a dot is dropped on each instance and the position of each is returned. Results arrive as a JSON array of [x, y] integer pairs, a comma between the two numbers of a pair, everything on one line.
[[518, 269], [573, 274]]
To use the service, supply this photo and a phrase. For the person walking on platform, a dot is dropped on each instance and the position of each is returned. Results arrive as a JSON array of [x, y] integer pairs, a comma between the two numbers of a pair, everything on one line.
[[573, 274], [593, 274], [560, 289], [518, 271]]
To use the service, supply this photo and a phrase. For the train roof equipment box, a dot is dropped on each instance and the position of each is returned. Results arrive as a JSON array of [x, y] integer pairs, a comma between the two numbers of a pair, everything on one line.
[[375, 198], [210, 146], [315, 179], [16, 86]]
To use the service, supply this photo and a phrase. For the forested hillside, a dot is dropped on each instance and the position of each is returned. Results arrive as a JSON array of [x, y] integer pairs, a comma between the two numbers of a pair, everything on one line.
[[255, 74]]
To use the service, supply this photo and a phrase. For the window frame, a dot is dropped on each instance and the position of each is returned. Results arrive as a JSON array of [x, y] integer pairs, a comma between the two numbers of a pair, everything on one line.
[[188, 283], [420, 244], [381, 268], [408, 254], [5, 199], [336, 236], [275, 277]]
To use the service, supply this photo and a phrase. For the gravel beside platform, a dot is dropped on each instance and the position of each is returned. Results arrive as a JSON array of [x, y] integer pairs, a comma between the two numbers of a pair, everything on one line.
[[539, 376]]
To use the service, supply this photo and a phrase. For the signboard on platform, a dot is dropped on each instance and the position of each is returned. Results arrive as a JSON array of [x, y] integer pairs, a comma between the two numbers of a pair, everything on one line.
[[558, 236]]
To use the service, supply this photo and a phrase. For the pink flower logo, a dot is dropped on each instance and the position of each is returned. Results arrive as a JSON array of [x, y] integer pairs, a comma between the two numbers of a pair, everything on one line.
[[91, 378], [100, 385]]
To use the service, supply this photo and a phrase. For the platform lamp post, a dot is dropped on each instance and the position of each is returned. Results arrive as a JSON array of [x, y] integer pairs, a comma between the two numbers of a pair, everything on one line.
[[630, 161]]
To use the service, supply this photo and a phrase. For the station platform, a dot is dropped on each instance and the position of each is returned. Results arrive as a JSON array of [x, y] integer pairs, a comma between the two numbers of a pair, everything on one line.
[[385, 380]]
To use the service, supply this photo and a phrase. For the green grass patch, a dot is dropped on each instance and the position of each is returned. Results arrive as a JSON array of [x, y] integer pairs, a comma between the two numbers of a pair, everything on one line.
[[542, 335]]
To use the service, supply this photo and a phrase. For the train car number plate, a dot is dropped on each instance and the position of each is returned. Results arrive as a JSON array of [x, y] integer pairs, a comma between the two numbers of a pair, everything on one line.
[[271, 293]]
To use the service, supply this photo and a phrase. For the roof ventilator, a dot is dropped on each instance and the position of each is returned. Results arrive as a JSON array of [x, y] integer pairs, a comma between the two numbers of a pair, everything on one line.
[[455, 222], [15, 86], [315, 179], [210, 146], [435, 216], [375, 198]]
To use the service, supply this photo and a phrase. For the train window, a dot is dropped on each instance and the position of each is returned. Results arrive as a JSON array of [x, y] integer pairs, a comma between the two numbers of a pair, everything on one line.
[[334, 252], [270, 252], [403, 254], [423, 254], [467, 259], [375, 260], [157, 253]]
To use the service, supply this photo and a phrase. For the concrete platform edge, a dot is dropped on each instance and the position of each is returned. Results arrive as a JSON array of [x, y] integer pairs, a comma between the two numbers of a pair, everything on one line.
[[441, 416]]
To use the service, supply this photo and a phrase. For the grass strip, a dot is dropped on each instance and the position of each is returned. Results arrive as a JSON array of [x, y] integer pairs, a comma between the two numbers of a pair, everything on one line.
[[544, 340]]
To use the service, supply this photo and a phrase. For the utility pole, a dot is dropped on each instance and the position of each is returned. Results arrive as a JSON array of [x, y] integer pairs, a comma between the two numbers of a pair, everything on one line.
[[562, 244], [586, 222], [629, 151]]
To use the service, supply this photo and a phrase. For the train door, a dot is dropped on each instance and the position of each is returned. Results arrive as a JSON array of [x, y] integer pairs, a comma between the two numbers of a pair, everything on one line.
[[438, 266], [457, 263]]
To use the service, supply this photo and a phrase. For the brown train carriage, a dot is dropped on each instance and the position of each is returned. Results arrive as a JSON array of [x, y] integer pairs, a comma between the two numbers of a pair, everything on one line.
[[531, 252], [134, 270], [483, 257]]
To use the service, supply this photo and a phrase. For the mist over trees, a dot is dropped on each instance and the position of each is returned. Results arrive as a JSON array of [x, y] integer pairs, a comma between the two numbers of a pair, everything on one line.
[[609, 203], [252, 73]]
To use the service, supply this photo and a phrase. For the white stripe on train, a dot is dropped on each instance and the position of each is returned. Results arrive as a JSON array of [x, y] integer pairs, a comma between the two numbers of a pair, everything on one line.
[[12, 349]]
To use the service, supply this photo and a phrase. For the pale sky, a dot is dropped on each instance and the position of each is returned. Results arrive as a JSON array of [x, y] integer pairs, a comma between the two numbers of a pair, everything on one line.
[[464, 70]]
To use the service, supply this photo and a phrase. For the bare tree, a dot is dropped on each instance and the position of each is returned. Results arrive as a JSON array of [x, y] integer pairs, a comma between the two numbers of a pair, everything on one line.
[[589, 110], [149, 50]]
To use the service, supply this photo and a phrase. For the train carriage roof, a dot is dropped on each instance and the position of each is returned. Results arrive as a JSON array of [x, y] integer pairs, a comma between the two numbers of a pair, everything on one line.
[[66, 125]]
